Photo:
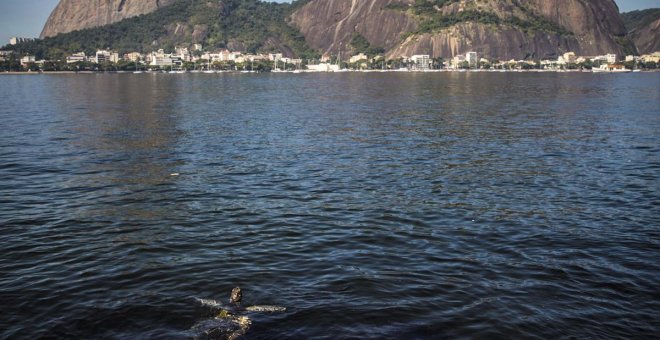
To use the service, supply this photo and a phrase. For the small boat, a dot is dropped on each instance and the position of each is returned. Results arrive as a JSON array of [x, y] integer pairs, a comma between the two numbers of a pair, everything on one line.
[[611, 68]]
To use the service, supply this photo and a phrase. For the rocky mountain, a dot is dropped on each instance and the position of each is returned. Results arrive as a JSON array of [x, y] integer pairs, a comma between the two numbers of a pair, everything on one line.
[[502, 29], [443, 28], [330, 24], [71, 15], [644, 29]]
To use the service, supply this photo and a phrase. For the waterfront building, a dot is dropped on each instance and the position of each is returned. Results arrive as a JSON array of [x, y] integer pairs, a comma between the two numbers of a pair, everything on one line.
[[548, 64], [472, 59], [654, 57], [611, 58], [598, 60], [76, 57], [421, 62], [457, 62], [257, 57], [358, 57], [133, 56], [160, 58], [224, 55], [103, 56], [275, 56], [27, 60], [182, 53], [569, 57], [323, 67]]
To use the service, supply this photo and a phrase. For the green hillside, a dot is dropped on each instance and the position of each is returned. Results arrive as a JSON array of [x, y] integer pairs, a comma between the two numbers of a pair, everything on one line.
[[246, 25], [635, 19]]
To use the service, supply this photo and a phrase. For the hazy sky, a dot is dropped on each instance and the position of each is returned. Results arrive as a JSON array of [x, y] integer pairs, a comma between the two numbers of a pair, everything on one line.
[[25, 18]]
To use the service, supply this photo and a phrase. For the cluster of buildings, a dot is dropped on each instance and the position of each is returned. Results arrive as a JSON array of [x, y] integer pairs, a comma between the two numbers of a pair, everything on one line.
[[471, 60], [16, 40], [180, 55], [195, 54]]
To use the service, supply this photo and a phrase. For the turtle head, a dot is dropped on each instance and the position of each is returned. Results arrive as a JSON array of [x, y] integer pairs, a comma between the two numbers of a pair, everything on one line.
[[236, 295]]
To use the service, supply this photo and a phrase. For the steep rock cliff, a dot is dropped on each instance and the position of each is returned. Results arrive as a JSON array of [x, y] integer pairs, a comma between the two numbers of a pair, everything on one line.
[[588, 27], [504, 43], [71, 15], [327, 24]]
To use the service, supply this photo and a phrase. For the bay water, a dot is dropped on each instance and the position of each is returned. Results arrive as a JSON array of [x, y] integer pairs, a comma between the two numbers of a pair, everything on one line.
[[408, 206]]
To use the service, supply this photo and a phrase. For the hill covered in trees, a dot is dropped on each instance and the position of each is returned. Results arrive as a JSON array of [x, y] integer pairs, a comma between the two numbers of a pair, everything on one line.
[[644, 29], [245, 25]]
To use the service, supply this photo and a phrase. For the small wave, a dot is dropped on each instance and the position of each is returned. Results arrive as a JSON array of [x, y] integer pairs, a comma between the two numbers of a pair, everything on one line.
[[209, 302], [267, 309]]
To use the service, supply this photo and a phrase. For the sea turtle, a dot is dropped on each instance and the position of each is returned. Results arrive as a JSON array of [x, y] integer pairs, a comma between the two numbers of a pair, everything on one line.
[[231, 321]]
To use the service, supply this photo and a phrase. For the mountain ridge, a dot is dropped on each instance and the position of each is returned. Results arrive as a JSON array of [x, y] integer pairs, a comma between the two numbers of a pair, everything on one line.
[[495, 28], [504, 29], [644, 29]]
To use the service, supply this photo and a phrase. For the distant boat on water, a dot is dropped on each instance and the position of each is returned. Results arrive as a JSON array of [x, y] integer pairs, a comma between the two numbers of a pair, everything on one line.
[[611, 68]]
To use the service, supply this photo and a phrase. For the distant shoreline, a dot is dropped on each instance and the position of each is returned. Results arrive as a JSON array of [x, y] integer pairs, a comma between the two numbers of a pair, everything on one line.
[[308, 71]]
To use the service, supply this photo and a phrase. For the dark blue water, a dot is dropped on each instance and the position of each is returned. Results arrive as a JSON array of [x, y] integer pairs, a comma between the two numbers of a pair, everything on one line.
[[370, 205]]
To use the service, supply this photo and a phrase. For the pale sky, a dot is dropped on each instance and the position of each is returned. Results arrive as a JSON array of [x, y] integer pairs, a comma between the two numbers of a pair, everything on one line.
[[26, 18]]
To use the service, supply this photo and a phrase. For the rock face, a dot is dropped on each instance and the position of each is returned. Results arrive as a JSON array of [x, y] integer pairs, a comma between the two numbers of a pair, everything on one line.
[[593, 27], [71, 15], [647, 37], [644, 29], [327, 24], [505, 43]]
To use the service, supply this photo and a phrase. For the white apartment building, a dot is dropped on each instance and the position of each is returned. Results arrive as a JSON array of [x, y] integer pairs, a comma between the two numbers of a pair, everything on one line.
[[323, 67], [103, 56], [160, 58], [76, 57], [421, 62], [27, 60], [457, 61], [472, 58], [611, 58]]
